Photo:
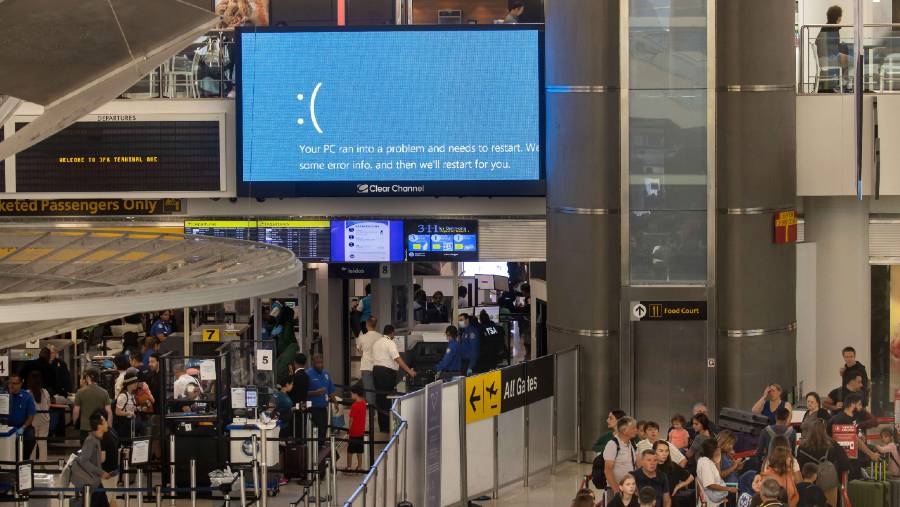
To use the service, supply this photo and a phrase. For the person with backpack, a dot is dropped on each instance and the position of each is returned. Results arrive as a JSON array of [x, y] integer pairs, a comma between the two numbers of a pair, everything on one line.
[[810, 494], [620, 455], [817, 447], [782, 426]]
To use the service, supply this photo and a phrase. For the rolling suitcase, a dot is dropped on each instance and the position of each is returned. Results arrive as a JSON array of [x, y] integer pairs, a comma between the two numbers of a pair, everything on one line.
[[869, 493], [294, 463], [895, 491]]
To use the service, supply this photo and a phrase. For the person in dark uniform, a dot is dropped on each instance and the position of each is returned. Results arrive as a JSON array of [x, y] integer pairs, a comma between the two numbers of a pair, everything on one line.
[[492, 346]]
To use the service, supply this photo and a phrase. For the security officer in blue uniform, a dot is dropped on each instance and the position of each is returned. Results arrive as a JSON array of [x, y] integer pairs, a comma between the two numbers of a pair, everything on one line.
[[321, 391], [450, 363], [21, 413], [470, 342], [162, 327]]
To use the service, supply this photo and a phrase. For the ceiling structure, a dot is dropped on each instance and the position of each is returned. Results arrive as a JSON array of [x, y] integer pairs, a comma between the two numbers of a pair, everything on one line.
[[71, 56], [55, 280]]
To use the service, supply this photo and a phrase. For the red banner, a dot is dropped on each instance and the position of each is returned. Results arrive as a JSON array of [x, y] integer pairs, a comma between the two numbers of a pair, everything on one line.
[[845, 435]]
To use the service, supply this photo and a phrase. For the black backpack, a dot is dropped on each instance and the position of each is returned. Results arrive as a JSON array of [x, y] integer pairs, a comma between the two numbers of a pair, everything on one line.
[[598, 468]]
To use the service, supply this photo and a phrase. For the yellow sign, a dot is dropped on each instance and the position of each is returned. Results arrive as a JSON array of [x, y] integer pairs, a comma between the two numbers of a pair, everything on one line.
[[211, 334], [483, 395]]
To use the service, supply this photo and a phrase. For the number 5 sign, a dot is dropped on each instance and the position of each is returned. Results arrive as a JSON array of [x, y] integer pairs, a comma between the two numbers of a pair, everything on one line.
[[264, 360]]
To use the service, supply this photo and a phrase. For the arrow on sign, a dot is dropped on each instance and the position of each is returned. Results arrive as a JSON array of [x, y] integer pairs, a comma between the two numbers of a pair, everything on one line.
[[639, 311], [473, 398]]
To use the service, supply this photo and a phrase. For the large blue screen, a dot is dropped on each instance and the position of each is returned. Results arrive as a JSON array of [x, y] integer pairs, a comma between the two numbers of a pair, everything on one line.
[[391, 112]]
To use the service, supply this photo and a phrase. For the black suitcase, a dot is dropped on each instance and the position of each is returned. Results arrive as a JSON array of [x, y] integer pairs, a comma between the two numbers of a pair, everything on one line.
[[294, 460], [295, 450]]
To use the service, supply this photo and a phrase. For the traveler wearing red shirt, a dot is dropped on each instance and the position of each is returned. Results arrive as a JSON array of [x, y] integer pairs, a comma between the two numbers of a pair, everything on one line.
[[357, 427]]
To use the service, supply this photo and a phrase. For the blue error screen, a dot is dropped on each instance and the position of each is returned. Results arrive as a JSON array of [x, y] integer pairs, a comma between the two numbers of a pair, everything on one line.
[[391, 112]]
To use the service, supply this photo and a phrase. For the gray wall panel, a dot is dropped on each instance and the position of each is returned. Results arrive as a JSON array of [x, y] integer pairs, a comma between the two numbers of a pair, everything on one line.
[[757, 149], [747, 365], [583, 271], [583, 150], [755, 41], [582, 42], [757, 278]]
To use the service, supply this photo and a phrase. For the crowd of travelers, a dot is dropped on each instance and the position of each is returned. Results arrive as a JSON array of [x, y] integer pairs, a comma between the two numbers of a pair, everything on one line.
[[795, 462]]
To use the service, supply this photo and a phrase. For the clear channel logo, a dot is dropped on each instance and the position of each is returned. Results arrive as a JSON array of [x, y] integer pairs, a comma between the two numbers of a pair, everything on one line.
[[365, 188]]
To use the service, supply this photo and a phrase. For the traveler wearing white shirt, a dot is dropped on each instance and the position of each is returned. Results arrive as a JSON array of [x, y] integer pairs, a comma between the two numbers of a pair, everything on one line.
[[179, 390], [364, 344], [386, 361]]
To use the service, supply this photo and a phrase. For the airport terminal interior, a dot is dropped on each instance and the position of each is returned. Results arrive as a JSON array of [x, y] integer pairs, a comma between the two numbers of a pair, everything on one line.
[[428, 253]]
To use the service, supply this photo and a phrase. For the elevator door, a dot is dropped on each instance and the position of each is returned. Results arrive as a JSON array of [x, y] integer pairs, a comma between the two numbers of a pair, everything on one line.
[[670, 369]]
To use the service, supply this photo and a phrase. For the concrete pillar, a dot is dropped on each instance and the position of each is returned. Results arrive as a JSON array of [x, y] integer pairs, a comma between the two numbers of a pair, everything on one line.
[[839, 228], [756, 173], [582, 74]]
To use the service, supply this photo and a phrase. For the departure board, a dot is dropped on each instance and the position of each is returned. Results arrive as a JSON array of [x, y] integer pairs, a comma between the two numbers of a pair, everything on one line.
[[124, 153], [232, 229], [310, 240]]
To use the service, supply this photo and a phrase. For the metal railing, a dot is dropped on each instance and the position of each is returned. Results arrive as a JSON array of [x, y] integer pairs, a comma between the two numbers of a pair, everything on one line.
[[827, 64], [516, 440], [204, 69]]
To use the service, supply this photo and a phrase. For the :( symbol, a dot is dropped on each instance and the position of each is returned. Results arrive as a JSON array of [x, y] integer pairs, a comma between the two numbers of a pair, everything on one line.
[[312, 108]]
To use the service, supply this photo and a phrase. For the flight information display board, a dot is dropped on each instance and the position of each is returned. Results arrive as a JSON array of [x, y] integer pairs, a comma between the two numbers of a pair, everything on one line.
[[126, 153], [367, 241], [233, 229], [310, 240], [436, 240], [399, 110]]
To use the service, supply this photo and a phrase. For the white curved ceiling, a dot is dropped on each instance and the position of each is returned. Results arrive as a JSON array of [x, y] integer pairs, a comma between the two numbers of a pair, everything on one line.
[[54, 280]]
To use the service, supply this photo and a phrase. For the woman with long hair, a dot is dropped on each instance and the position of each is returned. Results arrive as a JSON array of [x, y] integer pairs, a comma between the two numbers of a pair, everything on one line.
[[817, 447], [679, 478], [700, 424], [627, 495], [780, 466], [730, 466], [41, 420]]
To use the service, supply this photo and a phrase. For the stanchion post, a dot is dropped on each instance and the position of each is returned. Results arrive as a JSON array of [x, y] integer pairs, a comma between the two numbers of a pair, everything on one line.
[[255, 446], [140, 487], [333, 481], [264, 468], [86, 491], [62, 499], [463, 452], [405, 456], [20, 447], [172, 464], [315, 466], [371, 416], [158, 489], [578, 404], [496, 489], [193, 483], [374, 487], [525, 423], [243, 488], [126, 481], [554, 439]]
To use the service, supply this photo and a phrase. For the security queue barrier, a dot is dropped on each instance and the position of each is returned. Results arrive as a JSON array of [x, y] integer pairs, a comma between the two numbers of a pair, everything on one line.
[[471, 436]]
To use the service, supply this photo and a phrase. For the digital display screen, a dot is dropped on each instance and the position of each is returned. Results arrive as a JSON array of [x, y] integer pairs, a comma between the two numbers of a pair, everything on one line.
[[404, 110], [367, 241], [232, 229], [310, 240], [442, 240], [124, 156]]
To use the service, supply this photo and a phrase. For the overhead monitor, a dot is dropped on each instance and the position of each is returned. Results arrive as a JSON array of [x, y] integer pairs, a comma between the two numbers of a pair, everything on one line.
[[232, 229], [437, 240], [310, 240], [367, 241], [391, 111], [103, 155]]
